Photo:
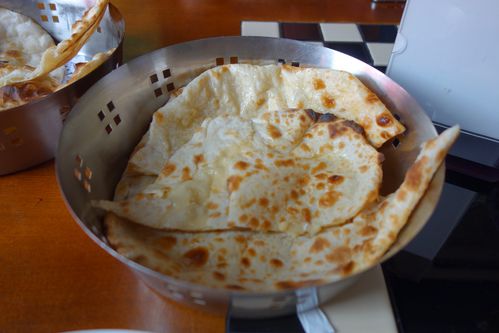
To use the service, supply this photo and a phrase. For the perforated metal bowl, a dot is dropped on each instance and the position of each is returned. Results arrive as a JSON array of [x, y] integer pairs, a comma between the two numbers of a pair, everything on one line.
[[29, 133], [108, 121]]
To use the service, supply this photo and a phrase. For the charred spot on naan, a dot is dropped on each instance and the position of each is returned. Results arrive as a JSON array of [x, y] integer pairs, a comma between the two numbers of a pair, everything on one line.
[[166, 243], [245, 262], [340, 128], [328, 101], [319, 84], [219, 276], [196, 257], [368, 231], [414, 175], [326, 118], [320, 244], [235, 287], [339, 255], [329, 198], [297, 284], [233, 183], [371, 97], [291, 68]]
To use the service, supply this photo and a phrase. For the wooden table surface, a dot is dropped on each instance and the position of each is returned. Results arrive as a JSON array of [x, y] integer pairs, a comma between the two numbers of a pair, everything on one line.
[[52, 276]]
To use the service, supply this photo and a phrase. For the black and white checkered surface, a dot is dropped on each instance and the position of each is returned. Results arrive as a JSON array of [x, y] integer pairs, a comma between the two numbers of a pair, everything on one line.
[[370, 43]]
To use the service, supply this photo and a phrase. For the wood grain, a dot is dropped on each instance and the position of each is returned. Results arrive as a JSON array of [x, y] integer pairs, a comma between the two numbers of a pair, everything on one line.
[[52, 276], [153, 24]]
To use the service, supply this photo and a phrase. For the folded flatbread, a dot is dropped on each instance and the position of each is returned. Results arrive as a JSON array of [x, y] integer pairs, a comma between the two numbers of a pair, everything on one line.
[[22, 42], [265, 261], [31, 63], [263, 178], [20, 93], [294, 170], [56, 56], [246, 91]]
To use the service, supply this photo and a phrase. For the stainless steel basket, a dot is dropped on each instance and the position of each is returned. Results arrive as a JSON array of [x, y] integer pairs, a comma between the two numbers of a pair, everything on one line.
[[29, 133], [108, 121]]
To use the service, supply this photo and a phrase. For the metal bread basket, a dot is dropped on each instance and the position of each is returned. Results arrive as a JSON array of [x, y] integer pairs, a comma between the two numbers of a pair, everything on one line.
[[109, 120], [29, 133]]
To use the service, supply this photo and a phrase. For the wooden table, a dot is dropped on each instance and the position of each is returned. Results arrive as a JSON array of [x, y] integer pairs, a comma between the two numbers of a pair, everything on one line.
[[52, 276]]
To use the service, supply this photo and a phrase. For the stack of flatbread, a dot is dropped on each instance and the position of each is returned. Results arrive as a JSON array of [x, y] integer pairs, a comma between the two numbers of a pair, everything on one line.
[[264, 178], [30, 62]]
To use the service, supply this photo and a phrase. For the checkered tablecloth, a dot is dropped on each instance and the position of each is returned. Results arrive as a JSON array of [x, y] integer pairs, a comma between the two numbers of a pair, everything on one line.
[[369, 43]]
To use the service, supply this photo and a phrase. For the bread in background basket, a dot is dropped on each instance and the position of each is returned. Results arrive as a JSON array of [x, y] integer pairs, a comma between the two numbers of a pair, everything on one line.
[[32, 112], [28, 56]]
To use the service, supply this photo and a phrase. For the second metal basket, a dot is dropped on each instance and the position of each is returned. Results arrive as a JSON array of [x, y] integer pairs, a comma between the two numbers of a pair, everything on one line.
[[29, 133]]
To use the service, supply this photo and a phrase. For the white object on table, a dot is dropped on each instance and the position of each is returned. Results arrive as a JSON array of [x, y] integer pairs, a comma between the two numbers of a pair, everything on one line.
[[363, 307]]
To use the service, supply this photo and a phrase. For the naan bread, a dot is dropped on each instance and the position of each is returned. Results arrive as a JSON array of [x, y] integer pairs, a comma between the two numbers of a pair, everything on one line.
[[56, 56], [257, 191], [264, 261], [21, 93], [246, 90], [22, 42], [30, 62], [295, 171]]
